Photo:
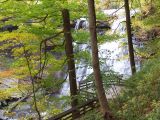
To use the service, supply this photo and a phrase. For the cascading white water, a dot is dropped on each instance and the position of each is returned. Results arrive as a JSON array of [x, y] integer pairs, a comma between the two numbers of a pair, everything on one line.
[[81, 23], [112, 54]]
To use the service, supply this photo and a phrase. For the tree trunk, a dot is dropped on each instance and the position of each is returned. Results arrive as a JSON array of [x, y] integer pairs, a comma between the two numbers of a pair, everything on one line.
[[70, 57], [129, 35], [95, 62]]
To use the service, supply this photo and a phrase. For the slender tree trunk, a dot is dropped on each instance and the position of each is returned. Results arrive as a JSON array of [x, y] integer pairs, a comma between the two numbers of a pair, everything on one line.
[[70, 56], [95, 62], [129, 35]]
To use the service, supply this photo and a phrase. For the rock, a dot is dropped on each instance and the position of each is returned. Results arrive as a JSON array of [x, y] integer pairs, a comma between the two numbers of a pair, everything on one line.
[[82, 23], [9, 28]]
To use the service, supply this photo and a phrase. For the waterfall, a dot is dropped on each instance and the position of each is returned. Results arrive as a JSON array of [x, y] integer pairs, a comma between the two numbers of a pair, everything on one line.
[[112, 54], [81, 23]]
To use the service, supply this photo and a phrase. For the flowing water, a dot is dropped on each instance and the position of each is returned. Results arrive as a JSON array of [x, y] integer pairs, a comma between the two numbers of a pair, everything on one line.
[[113, 55]]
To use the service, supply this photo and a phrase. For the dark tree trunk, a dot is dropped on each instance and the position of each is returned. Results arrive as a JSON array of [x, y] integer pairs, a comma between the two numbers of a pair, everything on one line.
[[129, 35], [95, 62], [70, 56]]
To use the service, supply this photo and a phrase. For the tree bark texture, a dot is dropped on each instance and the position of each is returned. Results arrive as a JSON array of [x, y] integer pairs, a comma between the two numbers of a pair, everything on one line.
[[70, 56], [129, 35], [95, 62]]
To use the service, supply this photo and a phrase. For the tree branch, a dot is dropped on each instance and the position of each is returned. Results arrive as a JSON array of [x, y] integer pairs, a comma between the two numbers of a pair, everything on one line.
[[117, 10], [42, 20], [20, 100], [33, 85], [51, 37]]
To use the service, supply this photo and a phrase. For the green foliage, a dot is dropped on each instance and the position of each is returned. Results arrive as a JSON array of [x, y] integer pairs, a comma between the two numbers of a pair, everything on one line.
[[92, 115], [101, 16], [140, 98], [141, 91], [149, 16], [107, 37], [151, 50], [81, 36], [155, 113], [109, 78]]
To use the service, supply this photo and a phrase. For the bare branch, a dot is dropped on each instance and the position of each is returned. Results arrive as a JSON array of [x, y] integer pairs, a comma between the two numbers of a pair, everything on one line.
[[118, 26], [117, 10]]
